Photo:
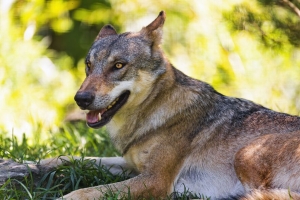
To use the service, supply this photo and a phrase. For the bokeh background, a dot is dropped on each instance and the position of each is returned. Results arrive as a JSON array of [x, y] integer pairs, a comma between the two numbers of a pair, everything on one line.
[[248, 49]]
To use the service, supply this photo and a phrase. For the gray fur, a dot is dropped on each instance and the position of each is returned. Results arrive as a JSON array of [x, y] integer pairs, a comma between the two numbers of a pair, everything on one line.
[[177, 132]]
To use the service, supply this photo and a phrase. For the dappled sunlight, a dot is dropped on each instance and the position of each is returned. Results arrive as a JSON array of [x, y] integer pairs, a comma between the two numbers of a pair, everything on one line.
[[244, 49], [34, 88]]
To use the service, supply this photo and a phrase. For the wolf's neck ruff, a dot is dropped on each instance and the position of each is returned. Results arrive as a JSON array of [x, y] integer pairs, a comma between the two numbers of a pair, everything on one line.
[[164, 98]]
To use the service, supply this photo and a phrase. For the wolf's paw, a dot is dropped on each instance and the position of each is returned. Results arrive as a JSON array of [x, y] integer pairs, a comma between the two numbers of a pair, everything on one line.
[[54, 162], [92, 193], [80, 194]]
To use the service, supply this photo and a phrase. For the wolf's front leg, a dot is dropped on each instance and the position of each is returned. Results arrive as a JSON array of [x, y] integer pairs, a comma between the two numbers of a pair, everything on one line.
[[116, 165], [142, 186]]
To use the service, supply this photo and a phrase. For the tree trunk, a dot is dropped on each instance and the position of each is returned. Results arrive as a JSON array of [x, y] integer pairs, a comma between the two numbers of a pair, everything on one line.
[[10, 169]]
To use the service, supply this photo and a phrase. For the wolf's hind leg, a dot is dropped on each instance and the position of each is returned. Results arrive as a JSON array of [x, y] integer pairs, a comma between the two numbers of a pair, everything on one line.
[[270, 162], [276, 194]]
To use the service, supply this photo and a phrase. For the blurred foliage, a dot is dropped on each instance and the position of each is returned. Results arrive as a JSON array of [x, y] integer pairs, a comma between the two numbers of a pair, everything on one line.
[[249, 49]]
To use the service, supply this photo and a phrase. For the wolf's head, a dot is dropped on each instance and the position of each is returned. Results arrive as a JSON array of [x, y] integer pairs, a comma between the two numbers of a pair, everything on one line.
[[120, 69]]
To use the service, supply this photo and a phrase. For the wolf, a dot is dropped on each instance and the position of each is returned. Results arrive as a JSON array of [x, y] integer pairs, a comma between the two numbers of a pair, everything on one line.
[[176, 133]]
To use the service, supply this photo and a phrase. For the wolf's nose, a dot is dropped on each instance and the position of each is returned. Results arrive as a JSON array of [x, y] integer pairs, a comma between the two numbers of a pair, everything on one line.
[[84, 99]]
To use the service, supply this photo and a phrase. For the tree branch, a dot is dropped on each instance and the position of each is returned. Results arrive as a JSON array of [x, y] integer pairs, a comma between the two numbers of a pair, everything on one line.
[[292, 6]]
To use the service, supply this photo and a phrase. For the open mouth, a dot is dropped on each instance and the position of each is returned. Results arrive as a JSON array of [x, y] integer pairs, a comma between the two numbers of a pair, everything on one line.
[[98, 118]]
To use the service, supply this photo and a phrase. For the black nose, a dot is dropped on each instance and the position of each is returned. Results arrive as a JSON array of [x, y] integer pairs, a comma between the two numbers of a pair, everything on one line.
[[84, 99]]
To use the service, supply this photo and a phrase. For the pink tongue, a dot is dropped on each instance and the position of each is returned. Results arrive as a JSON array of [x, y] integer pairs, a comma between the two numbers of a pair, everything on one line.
[[92, 116]]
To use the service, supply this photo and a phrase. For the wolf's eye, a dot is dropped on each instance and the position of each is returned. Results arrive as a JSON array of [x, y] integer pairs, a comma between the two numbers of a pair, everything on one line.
[[119, 65], [88, 66]]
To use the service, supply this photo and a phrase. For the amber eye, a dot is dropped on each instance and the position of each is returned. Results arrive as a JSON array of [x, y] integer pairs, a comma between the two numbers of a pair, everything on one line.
[[119, 65], [88, 65]]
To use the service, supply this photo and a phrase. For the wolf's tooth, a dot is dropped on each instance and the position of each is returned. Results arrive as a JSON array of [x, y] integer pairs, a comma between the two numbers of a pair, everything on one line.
[[112, 103], [99, 116]]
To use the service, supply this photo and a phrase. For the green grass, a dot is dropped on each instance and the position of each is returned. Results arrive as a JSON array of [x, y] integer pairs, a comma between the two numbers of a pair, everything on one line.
[[72, 139]]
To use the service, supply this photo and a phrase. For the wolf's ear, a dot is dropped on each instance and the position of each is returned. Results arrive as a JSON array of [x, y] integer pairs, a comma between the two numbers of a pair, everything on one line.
[[154, 31], [106, 31]]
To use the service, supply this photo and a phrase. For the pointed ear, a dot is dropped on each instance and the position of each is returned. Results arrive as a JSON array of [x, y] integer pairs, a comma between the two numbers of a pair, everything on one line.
[[106, 31], [154, 31]]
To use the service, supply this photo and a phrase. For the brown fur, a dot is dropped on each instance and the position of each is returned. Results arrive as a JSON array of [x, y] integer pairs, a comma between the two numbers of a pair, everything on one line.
[[259, 162], [274, 194], [175, 132]]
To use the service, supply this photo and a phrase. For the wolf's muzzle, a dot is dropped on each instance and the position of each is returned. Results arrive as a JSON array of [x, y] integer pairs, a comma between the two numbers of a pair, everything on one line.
[[84, 99]]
